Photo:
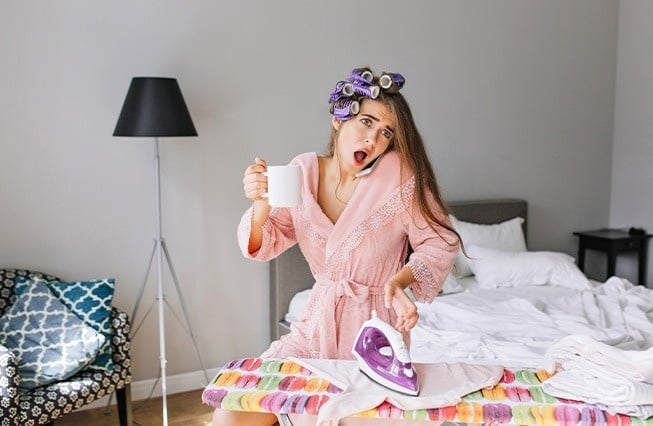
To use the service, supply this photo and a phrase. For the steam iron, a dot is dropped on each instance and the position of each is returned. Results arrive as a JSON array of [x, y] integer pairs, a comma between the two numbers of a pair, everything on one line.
[[383, 356]]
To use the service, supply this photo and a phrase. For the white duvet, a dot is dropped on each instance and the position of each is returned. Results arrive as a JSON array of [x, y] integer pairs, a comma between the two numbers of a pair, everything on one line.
[[515, 326]]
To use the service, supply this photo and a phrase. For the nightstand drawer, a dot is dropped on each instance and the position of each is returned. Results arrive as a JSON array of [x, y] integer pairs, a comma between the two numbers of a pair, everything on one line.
[[612, 242], [623, 245]]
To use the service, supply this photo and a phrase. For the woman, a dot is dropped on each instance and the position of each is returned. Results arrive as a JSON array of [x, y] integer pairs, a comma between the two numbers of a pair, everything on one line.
[[364, 203]]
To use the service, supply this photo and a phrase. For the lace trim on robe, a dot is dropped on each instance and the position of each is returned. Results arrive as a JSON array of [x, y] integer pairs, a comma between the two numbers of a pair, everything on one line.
[[426, 288], [396, 204]]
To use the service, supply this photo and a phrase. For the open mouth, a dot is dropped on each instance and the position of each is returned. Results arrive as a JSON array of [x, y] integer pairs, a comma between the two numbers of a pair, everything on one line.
[[360, 156]]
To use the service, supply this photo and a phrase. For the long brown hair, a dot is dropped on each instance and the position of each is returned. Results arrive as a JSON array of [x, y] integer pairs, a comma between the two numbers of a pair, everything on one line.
[[408, 143]]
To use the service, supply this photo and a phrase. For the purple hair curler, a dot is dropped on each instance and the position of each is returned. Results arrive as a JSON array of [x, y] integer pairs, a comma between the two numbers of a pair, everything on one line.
[[345, 109], [344, 89], [391, 82], [362, 75], [367, 90]]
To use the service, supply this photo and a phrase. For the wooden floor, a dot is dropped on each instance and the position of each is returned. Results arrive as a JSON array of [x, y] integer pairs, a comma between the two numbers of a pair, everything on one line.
[[183, 409]]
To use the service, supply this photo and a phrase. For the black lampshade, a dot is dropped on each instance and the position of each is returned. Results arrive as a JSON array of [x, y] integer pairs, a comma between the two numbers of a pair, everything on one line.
[[154, 106]]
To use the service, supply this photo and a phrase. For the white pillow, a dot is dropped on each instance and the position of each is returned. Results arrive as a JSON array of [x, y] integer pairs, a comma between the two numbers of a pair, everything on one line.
[[297, 305], [507, 235], [498, 268]]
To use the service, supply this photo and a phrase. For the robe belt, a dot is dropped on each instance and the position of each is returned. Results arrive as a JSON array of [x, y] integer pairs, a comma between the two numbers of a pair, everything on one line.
[[332, 290], [348, 287]]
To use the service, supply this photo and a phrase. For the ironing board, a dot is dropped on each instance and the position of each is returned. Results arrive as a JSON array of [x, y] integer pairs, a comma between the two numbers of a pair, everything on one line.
[[284, 387]]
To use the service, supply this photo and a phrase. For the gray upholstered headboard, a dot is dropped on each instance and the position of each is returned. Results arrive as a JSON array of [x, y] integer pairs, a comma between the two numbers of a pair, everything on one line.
[[290, 274]]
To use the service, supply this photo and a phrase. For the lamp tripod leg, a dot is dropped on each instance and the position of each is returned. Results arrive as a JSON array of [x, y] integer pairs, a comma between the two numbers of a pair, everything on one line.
[[137, 305], [162, 333], [183, 308], [142, 288], [147, 314]]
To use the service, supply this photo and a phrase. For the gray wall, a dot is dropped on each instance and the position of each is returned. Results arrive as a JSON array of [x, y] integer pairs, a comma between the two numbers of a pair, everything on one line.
[[514, 98], [631, 202]]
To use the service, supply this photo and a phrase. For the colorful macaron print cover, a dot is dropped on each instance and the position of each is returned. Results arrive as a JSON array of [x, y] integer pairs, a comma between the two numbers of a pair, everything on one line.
[[282, 386]]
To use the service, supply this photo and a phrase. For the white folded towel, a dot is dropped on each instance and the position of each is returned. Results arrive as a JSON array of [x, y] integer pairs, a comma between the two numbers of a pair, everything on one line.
[[620, 381], [582, 381], [636, 365], [440, 385]]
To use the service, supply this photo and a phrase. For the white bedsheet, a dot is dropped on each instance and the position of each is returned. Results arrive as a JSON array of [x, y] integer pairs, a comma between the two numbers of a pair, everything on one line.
[[515, 326]]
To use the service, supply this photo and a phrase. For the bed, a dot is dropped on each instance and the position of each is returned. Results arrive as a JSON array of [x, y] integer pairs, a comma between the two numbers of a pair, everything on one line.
[[502, 307]]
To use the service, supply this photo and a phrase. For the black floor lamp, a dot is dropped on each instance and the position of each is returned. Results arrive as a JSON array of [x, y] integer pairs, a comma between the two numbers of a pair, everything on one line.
[[155, 107]]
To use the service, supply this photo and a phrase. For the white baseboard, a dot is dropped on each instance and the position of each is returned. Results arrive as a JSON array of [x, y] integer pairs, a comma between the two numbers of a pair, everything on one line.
[[176, 384]]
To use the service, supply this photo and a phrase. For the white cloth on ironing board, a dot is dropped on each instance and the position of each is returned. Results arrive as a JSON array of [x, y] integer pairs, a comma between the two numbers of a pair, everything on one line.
[[441, 385], [633, 364]]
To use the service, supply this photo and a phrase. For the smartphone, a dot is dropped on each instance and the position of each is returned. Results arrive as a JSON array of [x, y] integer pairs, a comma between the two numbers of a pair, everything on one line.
[[367, 170]]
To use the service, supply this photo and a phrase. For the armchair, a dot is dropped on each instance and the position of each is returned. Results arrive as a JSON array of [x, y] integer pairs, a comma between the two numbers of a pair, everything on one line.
[[42, 405]]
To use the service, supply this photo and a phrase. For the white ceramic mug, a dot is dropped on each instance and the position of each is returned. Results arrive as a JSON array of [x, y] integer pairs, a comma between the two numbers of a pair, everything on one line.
[[284, 185]]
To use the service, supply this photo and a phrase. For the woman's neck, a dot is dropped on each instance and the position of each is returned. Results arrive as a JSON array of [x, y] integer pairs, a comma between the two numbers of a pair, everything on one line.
[[335, 188], [338, 173]]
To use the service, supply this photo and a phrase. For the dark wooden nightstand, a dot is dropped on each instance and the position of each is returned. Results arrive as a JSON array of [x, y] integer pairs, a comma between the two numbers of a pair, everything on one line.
[[613, 242]]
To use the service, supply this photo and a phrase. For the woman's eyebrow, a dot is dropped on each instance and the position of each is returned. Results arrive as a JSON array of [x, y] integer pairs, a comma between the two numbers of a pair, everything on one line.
[[371, 116], [377, 120]]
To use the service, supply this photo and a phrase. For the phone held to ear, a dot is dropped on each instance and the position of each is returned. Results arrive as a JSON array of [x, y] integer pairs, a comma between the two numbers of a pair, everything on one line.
[[367, 170]]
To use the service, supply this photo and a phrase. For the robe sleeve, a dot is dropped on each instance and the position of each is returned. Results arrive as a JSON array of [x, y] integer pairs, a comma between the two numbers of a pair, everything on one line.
[[278, 234], [433, 253]]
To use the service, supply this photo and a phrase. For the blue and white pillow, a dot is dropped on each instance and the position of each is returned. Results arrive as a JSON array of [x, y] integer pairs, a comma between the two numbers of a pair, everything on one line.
[[8, 279], [50, 342], [91, 302]]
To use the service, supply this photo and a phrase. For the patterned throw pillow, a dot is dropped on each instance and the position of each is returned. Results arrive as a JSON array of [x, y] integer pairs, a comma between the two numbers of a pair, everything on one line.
[[49, 342], [7, 283], [91, 302]]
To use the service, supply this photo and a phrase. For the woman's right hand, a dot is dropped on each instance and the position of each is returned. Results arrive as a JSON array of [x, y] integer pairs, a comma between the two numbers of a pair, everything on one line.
[[255, 182]]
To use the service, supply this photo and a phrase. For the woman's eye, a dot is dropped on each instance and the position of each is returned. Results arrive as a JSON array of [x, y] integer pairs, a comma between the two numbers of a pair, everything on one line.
[[387, 134], [366, 121]]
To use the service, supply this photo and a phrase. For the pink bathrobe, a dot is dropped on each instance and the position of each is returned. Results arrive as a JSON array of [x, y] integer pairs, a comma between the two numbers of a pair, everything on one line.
[[352, 259]]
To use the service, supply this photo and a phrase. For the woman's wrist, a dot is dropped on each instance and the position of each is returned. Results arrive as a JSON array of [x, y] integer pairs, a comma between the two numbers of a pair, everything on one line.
[[402, 279], [398, 284], [260, 212]]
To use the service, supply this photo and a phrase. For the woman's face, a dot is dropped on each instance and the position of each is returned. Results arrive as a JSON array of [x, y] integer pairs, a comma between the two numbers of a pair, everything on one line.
[[361, 139]]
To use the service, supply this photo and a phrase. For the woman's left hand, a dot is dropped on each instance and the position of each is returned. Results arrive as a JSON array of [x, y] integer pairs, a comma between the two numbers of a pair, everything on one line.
[[404, 307]]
